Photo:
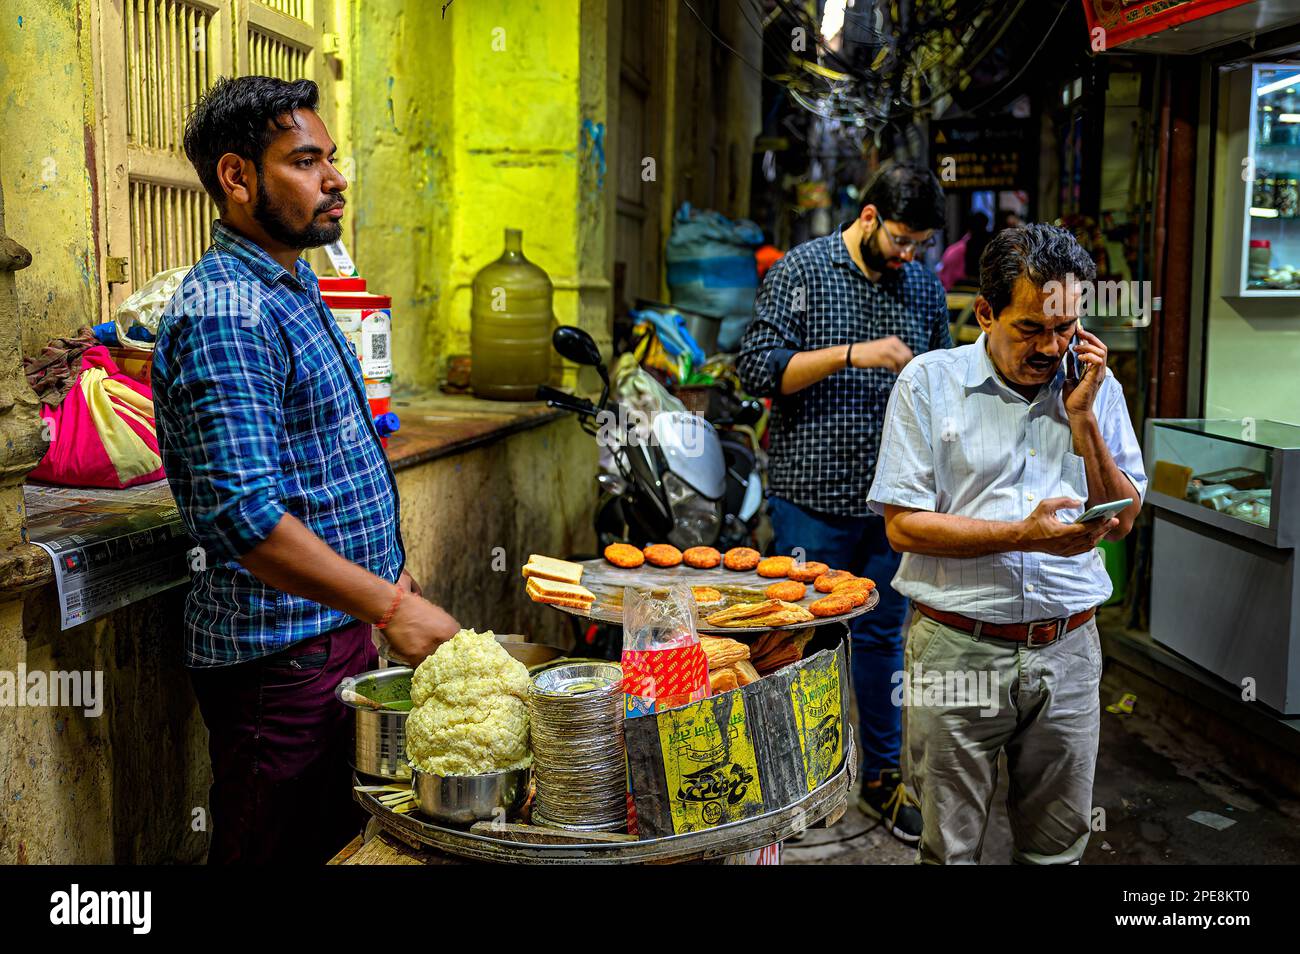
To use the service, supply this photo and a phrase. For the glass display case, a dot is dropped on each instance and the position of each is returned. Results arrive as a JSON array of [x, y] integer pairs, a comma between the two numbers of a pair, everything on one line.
[[1233, 469], [1270, 253], [1225, 579]]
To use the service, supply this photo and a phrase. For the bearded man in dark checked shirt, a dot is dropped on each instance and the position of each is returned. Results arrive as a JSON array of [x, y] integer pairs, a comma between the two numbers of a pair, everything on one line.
[[835, 321]]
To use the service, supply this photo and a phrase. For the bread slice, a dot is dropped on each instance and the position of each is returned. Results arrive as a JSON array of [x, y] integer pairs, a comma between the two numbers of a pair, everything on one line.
[[549, 568], [560, 594]]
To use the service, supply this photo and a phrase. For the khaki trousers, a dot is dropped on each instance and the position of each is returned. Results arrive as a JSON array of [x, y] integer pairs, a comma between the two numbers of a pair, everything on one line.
[[963, 701]]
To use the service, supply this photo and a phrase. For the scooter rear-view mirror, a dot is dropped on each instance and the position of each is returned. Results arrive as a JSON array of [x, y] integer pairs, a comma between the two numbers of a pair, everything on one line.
[[576, 345]]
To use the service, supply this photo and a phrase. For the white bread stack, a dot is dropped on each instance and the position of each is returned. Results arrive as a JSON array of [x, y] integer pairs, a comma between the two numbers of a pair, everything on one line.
[[556, 582]]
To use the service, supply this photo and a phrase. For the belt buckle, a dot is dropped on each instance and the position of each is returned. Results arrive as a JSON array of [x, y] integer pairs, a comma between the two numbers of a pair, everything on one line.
[[1055, 629]]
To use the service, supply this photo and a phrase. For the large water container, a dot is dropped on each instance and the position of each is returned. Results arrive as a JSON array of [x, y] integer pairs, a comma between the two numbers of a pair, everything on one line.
[[510, 326]]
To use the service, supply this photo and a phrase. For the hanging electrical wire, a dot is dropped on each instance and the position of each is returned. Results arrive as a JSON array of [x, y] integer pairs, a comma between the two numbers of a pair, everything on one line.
[[917, 59]]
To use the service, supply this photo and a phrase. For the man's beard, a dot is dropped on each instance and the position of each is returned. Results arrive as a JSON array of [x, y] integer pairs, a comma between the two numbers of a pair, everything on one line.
[[874, 258], [270, 214]]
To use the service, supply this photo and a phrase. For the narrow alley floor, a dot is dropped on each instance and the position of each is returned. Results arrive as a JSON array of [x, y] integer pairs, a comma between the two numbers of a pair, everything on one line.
[[1149, 780]]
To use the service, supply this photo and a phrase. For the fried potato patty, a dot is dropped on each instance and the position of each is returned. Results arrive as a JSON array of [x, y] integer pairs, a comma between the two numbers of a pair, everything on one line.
[[662, 554], [788, 590], [832, 605], [807, 572], [774, 567], [702, 558], [826, 582], [741, 558], [624, 555]]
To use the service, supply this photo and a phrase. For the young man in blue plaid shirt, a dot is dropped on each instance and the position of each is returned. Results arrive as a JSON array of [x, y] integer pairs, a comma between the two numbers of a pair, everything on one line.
[[835, 321], [271, 452]]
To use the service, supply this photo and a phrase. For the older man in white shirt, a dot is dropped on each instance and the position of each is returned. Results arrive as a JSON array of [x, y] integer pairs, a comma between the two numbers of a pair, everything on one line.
[[989, 453]]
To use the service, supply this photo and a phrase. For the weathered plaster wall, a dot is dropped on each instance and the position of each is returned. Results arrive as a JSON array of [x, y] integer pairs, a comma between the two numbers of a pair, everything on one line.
[[470, 522], [399, 83], [118, 788], [123, 788], [45, 90], [489, 117]]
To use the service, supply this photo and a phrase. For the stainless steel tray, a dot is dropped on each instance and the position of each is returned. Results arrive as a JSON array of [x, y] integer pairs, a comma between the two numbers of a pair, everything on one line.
[[606, 581], [827, 802]]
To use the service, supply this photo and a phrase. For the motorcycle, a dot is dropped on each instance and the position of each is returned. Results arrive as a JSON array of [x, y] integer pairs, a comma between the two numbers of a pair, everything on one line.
[[675, 479]]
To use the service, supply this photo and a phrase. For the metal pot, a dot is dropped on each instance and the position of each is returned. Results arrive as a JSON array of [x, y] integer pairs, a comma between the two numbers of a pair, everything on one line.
[[380, 747]]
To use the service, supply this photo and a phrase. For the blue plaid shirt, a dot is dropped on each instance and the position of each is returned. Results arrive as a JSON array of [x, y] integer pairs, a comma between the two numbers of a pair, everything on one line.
[[261, 411], [826, 438]]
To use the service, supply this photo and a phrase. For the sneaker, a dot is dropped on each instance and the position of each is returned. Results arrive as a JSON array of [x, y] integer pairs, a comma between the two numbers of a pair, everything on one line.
[[894, 805]]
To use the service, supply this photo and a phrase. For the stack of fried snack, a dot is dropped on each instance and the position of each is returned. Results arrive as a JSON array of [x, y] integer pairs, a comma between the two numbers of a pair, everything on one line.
[[768, 613], [729, 666], [557, 582], [777, 649]]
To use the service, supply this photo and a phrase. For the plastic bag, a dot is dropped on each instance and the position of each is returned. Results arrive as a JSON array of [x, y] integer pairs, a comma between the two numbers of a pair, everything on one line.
[[711, 267], [144, 308], [664, 665], [103, 433]]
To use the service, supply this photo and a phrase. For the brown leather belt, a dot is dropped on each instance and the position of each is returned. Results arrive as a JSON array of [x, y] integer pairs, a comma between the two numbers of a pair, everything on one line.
[[1043, 633]]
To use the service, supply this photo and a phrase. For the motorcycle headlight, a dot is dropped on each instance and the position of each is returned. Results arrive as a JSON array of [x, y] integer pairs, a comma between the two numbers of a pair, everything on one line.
[[696, 520]]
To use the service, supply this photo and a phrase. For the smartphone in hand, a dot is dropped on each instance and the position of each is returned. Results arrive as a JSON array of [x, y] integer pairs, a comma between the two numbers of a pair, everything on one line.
[[1104, 510]]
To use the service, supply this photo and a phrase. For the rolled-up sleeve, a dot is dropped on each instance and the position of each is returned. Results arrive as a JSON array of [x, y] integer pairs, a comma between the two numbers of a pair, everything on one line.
[[905, 468], [777, 332], [226, 408], [1117, 431]]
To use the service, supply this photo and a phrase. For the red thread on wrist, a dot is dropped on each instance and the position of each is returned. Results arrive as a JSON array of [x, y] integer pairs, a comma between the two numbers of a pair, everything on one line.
[[388, 617]]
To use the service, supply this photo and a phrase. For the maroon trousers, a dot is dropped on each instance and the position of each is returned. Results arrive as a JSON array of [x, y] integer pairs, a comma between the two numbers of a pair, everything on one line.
[[280, 744]]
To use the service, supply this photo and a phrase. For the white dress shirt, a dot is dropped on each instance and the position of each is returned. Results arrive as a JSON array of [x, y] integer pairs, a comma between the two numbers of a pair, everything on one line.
[[958, 440]]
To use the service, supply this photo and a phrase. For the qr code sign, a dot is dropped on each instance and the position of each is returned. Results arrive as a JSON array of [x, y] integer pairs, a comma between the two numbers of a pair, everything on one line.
[[379, 347]]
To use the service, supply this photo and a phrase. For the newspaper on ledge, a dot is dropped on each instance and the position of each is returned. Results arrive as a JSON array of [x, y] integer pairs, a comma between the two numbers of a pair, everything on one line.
[[110, 547]]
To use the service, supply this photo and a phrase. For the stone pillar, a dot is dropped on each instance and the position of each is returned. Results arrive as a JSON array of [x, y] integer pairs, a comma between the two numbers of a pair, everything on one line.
[[21, 442], [21, 564]]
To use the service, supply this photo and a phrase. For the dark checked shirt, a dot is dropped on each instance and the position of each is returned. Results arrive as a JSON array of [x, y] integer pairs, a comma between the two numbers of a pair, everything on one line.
[[826, 438], [261, 411]]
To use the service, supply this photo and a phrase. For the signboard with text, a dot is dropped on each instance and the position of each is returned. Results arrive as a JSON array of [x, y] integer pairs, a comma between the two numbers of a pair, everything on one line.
[[979, 154], [1125, 20]]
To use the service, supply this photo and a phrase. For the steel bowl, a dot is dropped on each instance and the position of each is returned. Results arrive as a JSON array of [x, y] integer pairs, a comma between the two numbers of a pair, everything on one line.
[[465, 799]]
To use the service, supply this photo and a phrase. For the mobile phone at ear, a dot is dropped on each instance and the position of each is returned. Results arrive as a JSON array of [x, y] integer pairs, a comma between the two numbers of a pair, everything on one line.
[[1073, 366], [1102, 511]]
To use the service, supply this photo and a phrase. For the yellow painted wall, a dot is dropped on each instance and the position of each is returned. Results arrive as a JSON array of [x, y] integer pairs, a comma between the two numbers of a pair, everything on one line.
[[464, 125], [44, 101]]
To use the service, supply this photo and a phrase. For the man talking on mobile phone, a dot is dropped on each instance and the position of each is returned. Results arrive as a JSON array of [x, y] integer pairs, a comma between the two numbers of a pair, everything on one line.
[[836, 319], [989, 453]]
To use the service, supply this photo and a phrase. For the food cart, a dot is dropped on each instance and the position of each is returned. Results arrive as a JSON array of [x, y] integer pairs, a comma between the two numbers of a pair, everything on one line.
[[787, 737]]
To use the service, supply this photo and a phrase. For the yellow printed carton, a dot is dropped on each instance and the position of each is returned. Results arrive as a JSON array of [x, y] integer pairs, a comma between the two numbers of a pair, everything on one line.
[[741, 753]]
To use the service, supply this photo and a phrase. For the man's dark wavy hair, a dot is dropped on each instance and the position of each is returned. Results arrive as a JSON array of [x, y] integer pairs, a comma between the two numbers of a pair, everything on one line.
[[241, 115], [908, 194], [1040, 253]]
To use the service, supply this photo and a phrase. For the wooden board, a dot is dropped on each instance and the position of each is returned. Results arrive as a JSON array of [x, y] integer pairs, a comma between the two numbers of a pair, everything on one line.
[[606, 581]]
